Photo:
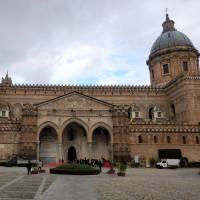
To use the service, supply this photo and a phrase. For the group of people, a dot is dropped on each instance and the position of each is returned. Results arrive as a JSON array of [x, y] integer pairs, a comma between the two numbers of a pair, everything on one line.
[[91, 162], [29, 166]]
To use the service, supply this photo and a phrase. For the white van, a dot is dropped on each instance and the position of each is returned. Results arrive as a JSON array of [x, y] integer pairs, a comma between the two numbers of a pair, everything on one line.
[[168, 163]]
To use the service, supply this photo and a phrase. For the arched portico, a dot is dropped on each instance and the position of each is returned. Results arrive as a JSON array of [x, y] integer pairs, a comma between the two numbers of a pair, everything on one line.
[[77, 121], [46, 124], [77, 133], [102, 141], [74, 135], [48, 145], [103, 125]]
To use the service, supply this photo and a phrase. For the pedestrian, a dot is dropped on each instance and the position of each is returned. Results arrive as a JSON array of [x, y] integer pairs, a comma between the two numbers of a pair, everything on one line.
[[29, 166], [39, 165], [100, 165], [136, 160]]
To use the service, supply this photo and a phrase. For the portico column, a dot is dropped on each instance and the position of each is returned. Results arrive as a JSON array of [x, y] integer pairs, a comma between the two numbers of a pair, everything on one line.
[[60, 151], [90, 149], [111, 152], [38, 150]]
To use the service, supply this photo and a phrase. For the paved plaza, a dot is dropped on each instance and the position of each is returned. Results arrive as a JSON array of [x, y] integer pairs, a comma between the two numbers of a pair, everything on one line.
[[139, 184]]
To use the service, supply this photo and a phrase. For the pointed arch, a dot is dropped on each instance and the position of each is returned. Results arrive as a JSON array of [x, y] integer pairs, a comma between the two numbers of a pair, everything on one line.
[[47, 124], [102, 125], [77, 121]]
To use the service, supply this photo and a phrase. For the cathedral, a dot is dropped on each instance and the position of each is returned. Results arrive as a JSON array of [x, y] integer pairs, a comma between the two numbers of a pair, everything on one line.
[[63, 122]]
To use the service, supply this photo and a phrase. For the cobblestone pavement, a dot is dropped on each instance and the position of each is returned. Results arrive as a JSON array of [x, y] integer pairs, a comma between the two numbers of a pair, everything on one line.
[[139, 184], [16, 185], [147, 184]]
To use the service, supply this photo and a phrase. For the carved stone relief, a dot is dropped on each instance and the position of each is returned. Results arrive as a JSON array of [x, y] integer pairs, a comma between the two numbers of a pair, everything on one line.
[[16, 111], [74, 102]]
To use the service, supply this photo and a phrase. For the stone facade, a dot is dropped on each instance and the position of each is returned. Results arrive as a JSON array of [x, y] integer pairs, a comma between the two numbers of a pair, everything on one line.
[[54, 123]]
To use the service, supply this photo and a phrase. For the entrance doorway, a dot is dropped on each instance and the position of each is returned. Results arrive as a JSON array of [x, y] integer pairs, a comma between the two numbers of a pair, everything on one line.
[[75, 135], [71, 153]]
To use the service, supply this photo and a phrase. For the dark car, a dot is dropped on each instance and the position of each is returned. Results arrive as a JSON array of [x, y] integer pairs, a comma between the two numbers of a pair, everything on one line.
[[12, 162]]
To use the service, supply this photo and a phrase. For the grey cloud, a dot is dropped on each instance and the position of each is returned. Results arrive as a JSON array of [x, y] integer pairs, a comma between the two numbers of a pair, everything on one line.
[[34, 33]]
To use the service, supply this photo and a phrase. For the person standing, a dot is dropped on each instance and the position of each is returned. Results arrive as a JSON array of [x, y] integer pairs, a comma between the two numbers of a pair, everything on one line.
[[39, 165], [100, 164], [29, 166]]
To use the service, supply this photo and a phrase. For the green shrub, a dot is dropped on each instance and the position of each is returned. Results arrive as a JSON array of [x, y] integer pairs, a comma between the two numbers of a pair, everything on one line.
[[111, 171], [74, 166], [152, 161], [75, 169], [121, 167]]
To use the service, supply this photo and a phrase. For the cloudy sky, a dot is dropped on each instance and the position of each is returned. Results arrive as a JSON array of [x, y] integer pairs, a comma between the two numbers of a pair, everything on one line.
[[86, 41]]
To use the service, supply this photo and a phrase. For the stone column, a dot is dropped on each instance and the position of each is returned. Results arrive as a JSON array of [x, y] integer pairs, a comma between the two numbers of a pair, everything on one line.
[[38, 150], [60, 151], [111, 152], [90, 149]]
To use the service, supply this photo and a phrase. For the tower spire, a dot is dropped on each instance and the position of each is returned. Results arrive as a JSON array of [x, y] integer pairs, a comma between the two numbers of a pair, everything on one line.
[[7, 81], [167, 16]]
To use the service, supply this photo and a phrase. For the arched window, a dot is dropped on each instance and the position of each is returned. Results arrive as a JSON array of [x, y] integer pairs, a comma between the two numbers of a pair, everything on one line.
[[185, 66], [155, 139], [197, 140], [166, 69], [4, 111], [130, 113], [173, 111], [184, 140], [140, 139], [151, 113], [168, 139], [152, 74]]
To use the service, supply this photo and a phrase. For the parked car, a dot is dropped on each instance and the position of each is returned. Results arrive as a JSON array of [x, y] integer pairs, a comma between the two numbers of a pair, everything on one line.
[[23, 162], [168, 163], [12, 162]]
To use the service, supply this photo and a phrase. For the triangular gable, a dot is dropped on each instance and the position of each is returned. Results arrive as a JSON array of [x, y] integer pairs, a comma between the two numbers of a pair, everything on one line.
[[74, 100]]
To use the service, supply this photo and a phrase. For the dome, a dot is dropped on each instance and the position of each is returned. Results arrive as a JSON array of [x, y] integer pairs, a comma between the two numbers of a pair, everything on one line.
[[170, 37]]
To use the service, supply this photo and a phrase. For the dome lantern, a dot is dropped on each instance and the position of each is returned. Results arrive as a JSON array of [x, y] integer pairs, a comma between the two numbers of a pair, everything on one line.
[[168, 25]]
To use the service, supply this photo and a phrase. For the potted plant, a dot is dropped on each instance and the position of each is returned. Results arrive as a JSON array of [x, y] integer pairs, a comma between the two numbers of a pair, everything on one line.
[[152, 162], [121, 169]]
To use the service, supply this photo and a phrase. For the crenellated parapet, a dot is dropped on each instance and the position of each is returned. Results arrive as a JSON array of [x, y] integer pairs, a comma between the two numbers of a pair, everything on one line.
[[105, 90], [85, 87], [43, 89]]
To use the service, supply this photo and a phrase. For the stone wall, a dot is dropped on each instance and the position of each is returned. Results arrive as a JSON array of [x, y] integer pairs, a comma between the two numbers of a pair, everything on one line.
[[9, 139]]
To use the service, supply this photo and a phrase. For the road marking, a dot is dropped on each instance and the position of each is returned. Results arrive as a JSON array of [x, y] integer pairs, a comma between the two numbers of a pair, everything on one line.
[[40, 189], [11, 182]]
